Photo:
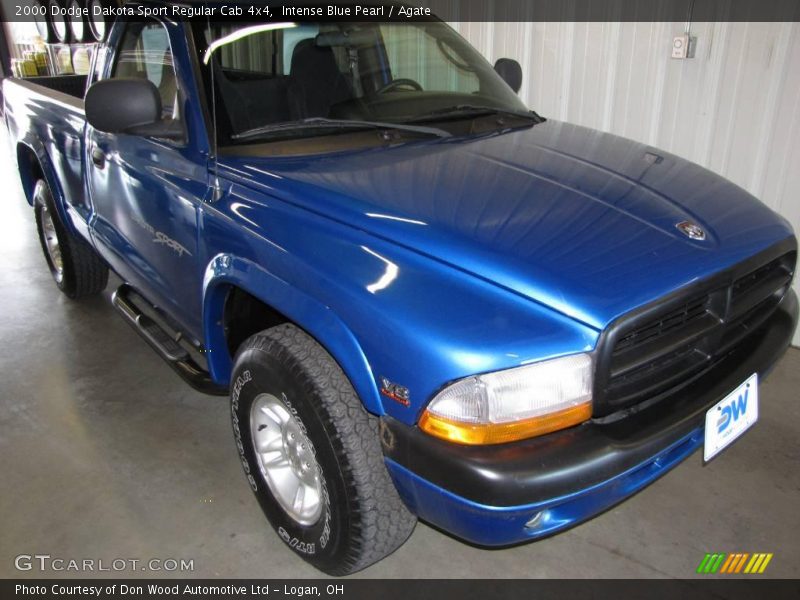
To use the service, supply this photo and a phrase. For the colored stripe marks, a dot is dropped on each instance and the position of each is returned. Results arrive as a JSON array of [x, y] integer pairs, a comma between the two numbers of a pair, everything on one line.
[[736, 562]]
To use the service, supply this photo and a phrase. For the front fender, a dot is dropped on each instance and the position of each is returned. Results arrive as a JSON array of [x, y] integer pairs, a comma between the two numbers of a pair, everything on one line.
[[226, 271]]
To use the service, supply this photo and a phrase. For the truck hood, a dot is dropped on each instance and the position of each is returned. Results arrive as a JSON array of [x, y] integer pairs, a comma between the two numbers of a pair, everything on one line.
[[578, 220]]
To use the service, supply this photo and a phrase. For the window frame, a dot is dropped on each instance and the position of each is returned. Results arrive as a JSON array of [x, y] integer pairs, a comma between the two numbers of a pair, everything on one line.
[[112, 57]]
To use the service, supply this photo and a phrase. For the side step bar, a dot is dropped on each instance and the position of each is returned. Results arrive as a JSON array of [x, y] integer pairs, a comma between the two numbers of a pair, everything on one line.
[[167, 347]]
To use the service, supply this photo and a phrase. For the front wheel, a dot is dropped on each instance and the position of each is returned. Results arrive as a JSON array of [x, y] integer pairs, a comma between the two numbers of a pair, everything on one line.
[[76, 268], [312, 454]]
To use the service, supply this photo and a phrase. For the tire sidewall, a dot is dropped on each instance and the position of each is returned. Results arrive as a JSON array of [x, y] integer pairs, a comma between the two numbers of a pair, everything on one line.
[[92, 35], [80, 18], [257, 372], [67, 38]]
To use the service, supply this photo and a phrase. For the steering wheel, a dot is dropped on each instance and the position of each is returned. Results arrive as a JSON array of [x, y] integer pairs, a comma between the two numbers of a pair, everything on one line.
[[402, 82]]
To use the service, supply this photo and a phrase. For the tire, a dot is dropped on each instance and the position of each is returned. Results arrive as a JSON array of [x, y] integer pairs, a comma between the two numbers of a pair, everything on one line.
[[42, 21], [58, 22], [77, 21], [98, 24], [361, 519], [75, 266]]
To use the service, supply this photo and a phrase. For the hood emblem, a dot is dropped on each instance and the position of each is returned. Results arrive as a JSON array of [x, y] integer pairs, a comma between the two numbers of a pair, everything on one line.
[[691, 230]]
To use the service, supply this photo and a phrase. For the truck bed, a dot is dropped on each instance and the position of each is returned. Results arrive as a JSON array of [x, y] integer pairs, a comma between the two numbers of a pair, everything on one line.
[[72, 85], [46, 114]]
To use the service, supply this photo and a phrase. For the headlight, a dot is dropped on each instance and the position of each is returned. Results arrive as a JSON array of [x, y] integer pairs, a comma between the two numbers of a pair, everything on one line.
[[514, 404]]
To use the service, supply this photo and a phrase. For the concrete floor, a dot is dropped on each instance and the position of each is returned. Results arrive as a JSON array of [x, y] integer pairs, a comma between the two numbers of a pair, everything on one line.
[[106, 454]]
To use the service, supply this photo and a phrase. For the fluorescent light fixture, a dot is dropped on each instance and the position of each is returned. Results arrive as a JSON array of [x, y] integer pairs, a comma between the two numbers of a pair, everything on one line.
[[242, 33]]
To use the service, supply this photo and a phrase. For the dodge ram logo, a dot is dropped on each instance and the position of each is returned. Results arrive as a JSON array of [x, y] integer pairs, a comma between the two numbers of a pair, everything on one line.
[[691, 230]]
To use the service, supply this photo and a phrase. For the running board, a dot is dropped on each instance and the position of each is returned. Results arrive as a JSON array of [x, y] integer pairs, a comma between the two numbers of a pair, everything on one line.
[[167, 347]]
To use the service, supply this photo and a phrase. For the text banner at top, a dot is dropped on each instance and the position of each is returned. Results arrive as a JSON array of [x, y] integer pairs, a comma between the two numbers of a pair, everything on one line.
[[420, 10]]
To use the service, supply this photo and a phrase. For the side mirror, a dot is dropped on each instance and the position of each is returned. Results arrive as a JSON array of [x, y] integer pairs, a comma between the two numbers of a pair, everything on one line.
[[510, 71], [128, 105]]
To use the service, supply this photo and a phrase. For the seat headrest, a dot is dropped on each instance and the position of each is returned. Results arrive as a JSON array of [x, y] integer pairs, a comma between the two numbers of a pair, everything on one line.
[[314, 62]]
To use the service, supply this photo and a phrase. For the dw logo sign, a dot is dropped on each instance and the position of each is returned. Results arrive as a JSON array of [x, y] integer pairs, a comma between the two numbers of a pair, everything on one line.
[[730, 412], [731, 417]]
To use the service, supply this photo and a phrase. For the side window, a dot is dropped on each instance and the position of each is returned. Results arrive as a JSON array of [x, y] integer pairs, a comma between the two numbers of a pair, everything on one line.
[[98, 62], [145, 53], [255, 55]]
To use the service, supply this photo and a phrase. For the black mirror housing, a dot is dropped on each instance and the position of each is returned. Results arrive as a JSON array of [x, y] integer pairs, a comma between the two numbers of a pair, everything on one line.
[[122, 105], [511, 72]]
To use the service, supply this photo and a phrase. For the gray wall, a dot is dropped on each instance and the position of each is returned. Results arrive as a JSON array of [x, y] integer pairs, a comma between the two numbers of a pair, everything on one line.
[[734, 108]]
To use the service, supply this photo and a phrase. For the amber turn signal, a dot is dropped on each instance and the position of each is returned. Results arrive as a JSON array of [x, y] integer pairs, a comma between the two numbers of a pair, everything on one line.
[[499, 433]]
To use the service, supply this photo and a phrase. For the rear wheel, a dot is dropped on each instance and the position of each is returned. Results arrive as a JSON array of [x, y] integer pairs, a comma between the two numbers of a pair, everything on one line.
[[76, 268], [312, 454]]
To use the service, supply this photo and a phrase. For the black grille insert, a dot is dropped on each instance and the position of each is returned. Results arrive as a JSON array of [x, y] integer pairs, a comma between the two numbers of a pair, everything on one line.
[[663, 325], [667, 344]]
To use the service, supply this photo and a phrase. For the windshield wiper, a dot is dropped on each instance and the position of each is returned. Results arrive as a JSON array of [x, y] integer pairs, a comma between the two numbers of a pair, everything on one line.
[[323, 123], [470, 110]]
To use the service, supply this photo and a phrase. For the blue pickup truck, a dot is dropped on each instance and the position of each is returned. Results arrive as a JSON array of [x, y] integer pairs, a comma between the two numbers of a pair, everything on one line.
[[423, 299]]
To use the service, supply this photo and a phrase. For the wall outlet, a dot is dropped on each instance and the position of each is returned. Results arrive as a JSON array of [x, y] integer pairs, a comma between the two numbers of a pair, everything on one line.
[[683, 46]]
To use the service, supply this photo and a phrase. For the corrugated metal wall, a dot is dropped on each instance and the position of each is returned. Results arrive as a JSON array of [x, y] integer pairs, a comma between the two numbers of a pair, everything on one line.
[[734, 108]]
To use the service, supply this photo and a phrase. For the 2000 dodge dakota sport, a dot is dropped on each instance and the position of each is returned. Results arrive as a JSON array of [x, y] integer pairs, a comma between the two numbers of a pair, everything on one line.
[[423, 299]]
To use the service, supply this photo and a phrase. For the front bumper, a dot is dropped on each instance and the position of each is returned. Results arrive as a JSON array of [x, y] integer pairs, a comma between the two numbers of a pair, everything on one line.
[[505, 494]]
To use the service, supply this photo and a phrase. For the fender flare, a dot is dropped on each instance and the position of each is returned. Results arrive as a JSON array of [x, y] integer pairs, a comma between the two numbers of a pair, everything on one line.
[[37, 148], [226, 271]]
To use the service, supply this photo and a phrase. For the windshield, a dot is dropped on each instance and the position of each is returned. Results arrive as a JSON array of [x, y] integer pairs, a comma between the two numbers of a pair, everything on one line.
[[265, 77]]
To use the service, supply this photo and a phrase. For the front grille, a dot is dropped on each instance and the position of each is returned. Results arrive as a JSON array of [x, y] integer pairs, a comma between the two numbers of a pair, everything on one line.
[[658, 328], [669, 343]]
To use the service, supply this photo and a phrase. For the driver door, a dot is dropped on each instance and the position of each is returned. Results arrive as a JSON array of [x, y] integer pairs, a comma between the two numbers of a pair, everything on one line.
[[146, 192]]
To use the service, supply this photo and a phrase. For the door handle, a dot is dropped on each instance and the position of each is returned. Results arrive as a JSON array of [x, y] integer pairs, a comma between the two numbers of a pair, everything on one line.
[[98, 157]]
